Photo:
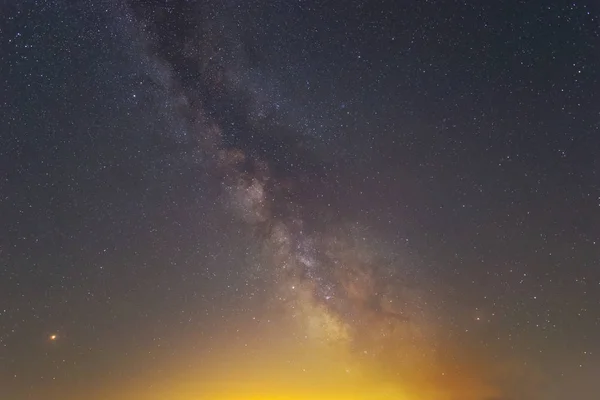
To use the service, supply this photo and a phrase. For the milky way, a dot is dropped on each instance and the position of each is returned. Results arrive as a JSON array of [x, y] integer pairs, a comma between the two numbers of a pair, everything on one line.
[[326, 274], [261, 163]]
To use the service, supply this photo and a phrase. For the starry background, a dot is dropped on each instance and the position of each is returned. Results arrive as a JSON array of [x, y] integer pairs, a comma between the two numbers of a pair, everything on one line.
[[305, 199]]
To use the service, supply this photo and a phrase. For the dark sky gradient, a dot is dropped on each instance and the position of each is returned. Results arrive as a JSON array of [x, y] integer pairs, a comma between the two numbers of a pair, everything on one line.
[[189, 187]]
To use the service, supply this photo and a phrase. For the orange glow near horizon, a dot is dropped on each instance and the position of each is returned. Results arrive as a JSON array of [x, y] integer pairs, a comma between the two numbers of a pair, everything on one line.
[[307, 347], [277, 367]]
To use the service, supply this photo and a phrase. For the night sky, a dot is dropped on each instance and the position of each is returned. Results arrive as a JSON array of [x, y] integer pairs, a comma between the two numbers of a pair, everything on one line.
[[341, 200]]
